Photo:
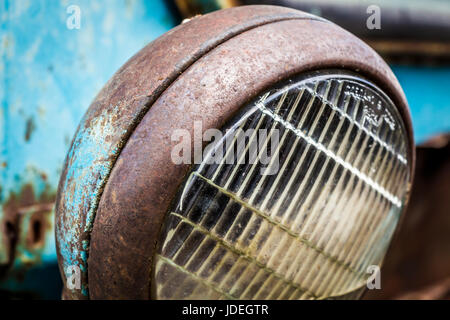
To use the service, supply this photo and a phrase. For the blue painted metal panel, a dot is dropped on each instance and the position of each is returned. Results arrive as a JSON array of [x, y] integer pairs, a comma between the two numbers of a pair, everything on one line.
[[49, 74]]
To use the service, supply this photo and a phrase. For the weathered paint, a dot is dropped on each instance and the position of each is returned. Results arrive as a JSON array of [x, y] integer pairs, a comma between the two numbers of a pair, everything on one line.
[[28, 241], [118, 109], [48, 76], [165, 86], [89, 159]]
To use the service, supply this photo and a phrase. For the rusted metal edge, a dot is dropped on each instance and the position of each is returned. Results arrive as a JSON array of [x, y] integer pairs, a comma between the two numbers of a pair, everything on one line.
[[26, 230], [144, 179], [90, 159]]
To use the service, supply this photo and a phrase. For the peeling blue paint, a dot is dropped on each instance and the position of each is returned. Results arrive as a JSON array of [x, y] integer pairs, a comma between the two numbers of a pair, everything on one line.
[[49, 74], [89, 160]]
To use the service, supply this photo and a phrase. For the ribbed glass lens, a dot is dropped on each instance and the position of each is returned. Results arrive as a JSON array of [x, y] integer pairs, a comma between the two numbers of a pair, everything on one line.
[[301, 216]]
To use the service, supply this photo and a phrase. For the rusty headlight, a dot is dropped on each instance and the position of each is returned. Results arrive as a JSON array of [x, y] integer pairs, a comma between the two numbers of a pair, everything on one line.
[[304, 224], [308, 222]]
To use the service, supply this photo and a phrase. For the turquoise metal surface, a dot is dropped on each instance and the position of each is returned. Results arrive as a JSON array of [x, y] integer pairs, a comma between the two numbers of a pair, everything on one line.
[[428, 92], [51, 68]]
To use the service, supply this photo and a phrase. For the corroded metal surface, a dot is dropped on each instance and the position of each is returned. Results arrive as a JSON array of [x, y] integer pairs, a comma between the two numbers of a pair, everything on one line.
[[48, 78], [144, 180], [213, 64], [119, 107], [26, 232]]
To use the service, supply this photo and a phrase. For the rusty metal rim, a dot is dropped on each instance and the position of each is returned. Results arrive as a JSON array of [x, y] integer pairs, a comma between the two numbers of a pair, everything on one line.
[[173, 172], [178, 69], [406, 124], [187, 62], [204, 50]]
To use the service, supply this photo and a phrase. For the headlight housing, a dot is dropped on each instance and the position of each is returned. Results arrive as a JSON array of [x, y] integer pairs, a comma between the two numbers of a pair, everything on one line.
[[335, 207]]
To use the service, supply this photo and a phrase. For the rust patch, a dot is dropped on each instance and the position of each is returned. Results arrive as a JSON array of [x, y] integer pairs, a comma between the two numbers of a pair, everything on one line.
[[124, 101], [234, 54], [12, 226], [144, 180]]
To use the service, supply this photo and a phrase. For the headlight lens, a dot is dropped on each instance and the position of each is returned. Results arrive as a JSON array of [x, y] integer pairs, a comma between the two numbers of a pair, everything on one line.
[[304, 214]]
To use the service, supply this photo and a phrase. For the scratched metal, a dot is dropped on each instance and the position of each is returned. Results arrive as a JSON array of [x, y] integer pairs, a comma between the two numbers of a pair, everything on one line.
[[144, 180], [118, 109], [425, 83]]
